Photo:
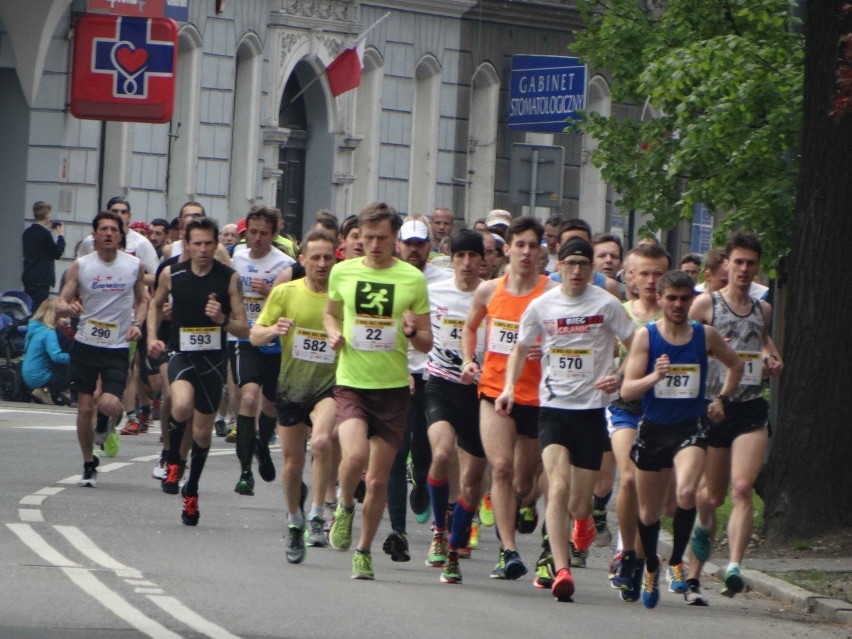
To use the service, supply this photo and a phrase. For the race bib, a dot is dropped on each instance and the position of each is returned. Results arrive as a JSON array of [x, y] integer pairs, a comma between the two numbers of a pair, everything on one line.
[[253, 307], [682, 382], [572, 363], [202, 338], [312, 346], [102, 333], [451, 333], [502, 337], [373, 334], [752, 368]]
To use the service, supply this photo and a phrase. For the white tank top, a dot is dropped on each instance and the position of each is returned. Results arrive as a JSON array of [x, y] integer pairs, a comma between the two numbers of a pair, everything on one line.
[[448, 310], [266, 268], [107, 293]]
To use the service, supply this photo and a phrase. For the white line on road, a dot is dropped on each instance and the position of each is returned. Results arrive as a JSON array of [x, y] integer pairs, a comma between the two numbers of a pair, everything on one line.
[[45, 427], [30, 514], [32, 500], [85, 545], [38, 545], [113, 466], [192, 619], [73, 479], [49, 490]]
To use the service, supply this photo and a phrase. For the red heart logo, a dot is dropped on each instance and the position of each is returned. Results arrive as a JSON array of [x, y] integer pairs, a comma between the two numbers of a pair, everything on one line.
[[131, 60]]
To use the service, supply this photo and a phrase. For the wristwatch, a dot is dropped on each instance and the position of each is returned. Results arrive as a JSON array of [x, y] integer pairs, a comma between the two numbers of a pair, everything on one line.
[[135, 323], [726, 401]]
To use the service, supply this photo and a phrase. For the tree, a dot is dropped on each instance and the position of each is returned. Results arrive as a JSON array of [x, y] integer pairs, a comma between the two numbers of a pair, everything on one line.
[[724, 78], [807, 481]]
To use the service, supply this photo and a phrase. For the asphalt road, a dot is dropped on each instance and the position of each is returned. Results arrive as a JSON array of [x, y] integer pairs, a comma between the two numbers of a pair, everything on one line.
[[115, 561]]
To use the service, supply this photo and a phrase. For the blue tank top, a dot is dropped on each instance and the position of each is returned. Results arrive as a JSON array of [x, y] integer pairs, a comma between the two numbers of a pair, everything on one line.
[[680, 396]]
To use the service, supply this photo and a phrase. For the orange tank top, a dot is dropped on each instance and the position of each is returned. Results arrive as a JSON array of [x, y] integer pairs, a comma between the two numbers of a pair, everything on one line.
[[504, 317]]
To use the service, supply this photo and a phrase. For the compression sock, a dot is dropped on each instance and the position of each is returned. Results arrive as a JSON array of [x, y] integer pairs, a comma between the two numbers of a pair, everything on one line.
[[462, 518], [266, 426], [439, 495], [101, 422], [650, 535], [245, 441], [601, 502], [682, 527], [196, 466], [176, 430]]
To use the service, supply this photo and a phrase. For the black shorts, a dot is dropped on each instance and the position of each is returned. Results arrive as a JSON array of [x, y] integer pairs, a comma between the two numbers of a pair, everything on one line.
[[206, 371], [250, 365], [526, 417], [657, 444], [293, 413], [457, 404], [582, 432], [88, 362], [740, 418]]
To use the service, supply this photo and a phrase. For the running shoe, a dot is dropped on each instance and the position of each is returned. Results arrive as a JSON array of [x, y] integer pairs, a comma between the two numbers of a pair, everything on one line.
[[159, 471], [340, 535], [563, 585], [316, 532], [513, 566], [190, 514], [438, 550], [396, 545], [635, 591], [584, 533], [499, 571], [603, 537], [677, 579], [362, 565], [473, 539], [544, 569], [486, 511], [245, 484], [100, 436], [614, 565], [418, 499], [171, 484], [451, 574], [221, 427], [701, 544], [527, 519], [623, 577], [231, 436], [578, 557], [733, 582], [651, 588], [143, 416], [295, 544], [111, 445], [41, 396], [131, 426], [693, 595], [328, 509], [90, 473], [264, 462]]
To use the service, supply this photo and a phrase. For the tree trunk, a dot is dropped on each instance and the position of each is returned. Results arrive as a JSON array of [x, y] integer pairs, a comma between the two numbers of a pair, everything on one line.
[[807, 482]]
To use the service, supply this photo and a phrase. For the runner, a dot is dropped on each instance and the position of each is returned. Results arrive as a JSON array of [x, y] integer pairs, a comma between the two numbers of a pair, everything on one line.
[[736, 446], [510, 441], [106, 290], [294, 313], [256, 367], [376, 305], [207, 301], [667, 369]]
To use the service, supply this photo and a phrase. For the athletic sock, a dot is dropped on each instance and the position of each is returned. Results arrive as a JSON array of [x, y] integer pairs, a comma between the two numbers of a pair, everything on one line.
[[245, 440], [601, 502], [649, 536], [732, 565], [176, 430], [266, 426], [296, 519], [316, 511], [439, 495], [199, 457], [102, 422], [462, 518], [684, 519]]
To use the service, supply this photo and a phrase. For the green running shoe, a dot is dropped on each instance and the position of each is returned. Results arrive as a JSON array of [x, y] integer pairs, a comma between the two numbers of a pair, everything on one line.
[[111, 445], [701, 544], [544, 571], [733, 582], [437, 551], [451, 573], [362, 565], [245, 485], [340, 535], [499, 571]]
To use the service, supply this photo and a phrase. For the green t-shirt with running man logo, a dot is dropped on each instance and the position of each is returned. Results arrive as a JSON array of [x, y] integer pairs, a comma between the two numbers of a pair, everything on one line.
[[374, 301]]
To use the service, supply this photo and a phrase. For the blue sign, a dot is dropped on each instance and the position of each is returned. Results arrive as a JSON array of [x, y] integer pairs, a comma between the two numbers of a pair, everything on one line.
[[545, 91]]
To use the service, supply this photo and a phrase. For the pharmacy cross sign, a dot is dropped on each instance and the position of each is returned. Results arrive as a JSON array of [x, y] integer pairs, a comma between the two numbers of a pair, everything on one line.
[[132, 56]]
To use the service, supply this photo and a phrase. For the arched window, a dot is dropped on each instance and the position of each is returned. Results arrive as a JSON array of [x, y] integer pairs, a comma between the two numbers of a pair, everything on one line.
[[245, 129], [482, 142], [424, 138]]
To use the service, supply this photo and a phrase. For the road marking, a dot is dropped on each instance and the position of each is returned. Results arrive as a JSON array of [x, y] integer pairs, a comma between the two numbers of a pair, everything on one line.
[[30, 514], [146, 458], [38, 545], [45, 427], [141, 582], [117, 605], [192, 619], [149, 591], [32, 500], [73, 479], [113, 466], [49, 490], [37, 412], [85, 545]]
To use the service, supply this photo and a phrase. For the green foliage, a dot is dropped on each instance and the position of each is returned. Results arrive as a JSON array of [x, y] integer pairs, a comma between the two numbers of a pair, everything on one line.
[[724, 78]]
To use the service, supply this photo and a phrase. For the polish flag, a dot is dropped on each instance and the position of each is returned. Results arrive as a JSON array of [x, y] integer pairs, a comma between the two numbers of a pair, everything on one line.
[[344, 72]]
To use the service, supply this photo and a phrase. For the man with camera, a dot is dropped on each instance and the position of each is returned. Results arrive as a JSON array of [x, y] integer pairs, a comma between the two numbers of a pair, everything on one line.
[[40, 252]]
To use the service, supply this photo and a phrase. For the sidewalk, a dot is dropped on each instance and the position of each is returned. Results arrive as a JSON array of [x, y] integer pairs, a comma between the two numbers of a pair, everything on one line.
[[801, 600]]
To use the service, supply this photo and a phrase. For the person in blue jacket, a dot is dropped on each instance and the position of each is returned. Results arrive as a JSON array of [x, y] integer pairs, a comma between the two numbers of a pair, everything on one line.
[[45, 367]]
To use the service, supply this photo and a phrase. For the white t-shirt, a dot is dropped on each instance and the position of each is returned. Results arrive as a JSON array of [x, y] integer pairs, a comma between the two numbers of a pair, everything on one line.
[[448, 310], [416, 359], [107, 293], [137, 244], [578, 340], [266, 268]]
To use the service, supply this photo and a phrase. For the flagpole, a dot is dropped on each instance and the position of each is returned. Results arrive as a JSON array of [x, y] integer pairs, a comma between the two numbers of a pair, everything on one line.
[[354, 44]]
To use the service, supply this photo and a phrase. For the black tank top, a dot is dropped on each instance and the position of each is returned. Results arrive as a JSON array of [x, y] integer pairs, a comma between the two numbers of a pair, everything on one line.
[[190, 293]]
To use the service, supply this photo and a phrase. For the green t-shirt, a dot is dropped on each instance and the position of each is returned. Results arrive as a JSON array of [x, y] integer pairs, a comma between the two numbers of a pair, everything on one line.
[[374, 301], [307, 360]]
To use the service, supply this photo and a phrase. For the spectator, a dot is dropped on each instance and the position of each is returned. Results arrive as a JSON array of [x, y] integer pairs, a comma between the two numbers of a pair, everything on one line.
[[45, 367], [40, 253]]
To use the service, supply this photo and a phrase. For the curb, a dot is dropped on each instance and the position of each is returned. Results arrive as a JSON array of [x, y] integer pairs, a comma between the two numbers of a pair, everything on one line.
[[801, 600]]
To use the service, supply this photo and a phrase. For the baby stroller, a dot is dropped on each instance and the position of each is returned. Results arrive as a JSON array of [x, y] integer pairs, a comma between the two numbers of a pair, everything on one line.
[[15, 312]]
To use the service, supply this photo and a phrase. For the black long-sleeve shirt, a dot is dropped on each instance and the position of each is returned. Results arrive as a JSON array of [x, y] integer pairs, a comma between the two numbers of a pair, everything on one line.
[[40, 252]]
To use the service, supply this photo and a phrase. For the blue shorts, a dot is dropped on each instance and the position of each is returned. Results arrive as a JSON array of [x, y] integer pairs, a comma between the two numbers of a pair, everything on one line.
[[618, 418]]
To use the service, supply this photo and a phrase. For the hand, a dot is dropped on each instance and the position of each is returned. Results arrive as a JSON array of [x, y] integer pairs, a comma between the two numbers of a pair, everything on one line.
[[662, 366], [469, 373], [259, 285], [155, 348], [75, 308], [336, 340], [283, 326], [213, 309], [773, 367], [409, 324], [411, 385], [134, 334], [607, 384], [59, 228], [503, 404], [716, 411]]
